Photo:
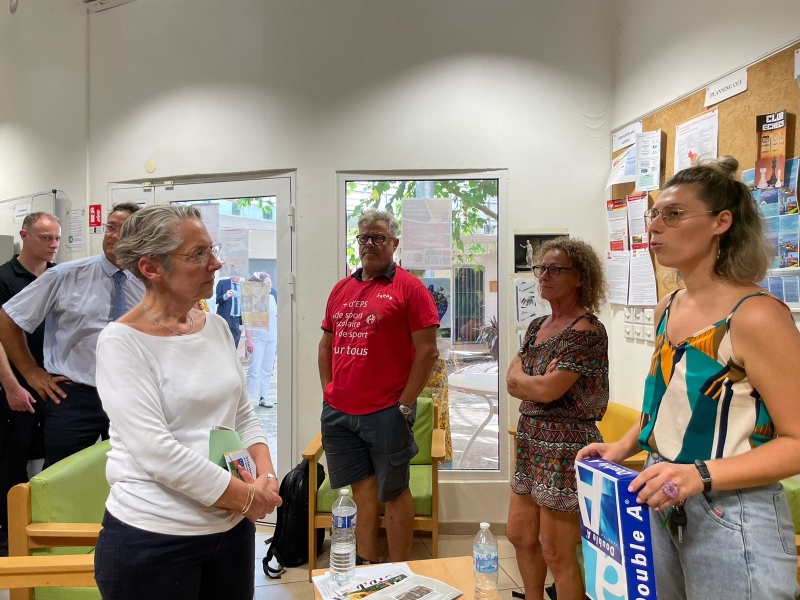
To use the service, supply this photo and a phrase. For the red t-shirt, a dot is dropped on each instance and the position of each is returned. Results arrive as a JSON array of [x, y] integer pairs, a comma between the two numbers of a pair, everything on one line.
[[371, 322]]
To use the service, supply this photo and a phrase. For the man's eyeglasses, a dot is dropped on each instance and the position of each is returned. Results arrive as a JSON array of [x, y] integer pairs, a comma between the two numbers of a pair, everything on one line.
[[109, 228], [377, 240], [671, 215], [203, 256], [553, 270]]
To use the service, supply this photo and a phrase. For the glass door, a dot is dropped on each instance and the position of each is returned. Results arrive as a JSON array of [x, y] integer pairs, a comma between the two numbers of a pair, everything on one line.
[[253, 220]]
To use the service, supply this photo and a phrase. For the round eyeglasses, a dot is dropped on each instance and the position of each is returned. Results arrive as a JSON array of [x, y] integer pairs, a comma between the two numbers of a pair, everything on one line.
[[203, 256], [671, 215]]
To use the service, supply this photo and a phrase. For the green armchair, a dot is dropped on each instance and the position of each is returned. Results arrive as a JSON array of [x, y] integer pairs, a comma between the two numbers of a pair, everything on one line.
[[424, 482], [59, 513]]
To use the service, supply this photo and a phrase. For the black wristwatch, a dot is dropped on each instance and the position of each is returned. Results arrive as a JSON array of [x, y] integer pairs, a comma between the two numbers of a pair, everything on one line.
[[405, 409], [705, 476]]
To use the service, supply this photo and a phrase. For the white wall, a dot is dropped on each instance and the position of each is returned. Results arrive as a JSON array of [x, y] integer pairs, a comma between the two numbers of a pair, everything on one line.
[[43, 103], [360, 85], [664, 51]]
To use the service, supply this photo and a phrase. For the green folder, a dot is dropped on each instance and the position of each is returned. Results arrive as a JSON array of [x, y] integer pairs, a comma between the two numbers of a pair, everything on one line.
[[221, 441]]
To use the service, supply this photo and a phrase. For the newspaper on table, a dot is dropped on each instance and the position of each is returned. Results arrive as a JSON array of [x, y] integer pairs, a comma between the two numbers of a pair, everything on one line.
[[394, 581]]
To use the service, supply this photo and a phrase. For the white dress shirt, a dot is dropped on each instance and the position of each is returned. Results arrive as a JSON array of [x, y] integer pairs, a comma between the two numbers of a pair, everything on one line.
[[163, 395], [75, 299]]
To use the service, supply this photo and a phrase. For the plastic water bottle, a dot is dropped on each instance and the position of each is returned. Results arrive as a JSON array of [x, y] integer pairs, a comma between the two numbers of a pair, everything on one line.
[[485, 565], [343, 539]]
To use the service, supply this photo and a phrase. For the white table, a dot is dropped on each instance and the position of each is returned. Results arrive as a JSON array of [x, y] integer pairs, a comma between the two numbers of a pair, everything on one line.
[[479, 384]]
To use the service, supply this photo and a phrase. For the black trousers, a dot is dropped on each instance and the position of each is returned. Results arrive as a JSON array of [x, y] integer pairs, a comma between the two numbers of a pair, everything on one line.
[[21, 440], [131, 563], [73, 424]]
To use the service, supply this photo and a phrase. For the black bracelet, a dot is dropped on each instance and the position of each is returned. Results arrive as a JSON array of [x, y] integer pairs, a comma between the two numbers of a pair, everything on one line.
[[705, 476]]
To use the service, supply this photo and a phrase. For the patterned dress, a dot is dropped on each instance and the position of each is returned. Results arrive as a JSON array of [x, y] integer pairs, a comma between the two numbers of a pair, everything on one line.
[[549, 435], [698, 401]]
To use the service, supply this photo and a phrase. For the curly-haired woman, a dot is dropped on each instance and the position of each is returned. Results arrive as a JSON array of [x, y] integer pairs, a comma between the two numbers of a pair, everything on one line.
[[561, 376]]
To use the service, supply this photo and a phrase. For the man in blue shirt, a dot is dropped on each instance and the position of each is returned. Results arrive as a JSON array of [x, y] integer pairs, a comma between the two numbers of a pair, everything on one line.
[[75, 300], [229, 306]]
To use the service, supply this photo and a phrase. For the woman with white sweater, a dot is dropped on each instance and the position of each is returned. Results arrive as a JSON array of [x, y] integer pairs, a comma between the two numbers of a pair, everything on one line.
[[176, 524]]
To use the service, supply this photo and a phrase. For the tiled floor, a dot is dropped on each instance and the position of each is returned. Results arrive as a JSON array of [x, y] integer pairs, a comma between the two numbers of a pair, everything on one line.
[[294, 584]]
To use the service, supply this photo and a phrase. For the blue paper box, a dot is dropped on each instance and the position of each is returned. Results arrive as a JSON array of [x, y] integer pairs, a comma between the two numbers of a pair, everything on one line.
[[617, 549]]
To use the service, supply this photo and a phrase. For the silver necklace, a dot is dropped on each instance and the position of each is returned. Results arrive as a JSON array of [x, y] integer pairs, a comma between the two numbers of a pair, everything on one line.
[[191, 321]]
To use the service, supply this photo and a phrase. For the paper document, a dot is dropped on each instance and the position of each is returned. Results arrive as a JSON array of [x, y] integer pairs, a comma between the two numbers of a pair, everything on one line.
[[529, 303], [623, 168], [637, 204], [696, 137], [643, 291], [648, 160], [618, 269], [622, 138], [617, 211], [367, 581]]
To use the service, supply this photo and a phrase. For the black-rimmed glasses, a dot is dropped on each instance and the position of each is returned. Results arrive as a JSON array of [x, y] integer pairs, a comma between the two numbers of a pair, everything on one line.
[[377, 240], [203, 256], [671, 215], [553, 270]]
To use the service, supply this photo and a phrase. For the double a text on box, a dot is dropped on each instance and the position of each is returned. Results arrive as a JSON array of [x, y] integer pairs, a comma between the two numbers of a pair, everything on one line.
[[617, 548]]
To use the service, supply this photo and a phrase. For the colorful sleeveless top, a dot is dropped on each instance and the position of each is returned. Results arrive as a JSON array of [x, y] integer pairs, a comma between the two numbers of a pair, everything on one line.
[[698, 401]]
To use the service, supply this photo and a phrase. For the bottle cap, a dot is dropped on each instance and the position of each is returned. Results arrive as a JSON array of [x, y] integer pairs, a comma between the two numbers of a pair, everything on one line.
[[344, 492], [484, 525]]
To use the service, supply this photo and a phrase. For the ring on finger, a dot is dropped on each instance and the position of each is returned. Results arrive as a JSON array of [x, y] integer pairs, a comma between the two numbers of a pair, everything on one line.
[[670, 489]]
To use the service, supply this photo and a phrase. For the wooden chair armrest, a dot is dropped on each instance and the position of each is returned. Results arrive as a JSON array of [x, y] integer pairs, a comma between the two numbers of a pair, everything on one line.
[[90, 531], [437, 446], [314, 449], [70, 570], [512, 432], [797, 542]]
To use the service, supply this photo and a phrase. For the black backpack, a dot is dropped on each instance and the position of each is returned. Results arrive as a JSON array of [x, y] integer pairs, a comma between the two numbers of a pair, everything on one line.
[[289, 544]]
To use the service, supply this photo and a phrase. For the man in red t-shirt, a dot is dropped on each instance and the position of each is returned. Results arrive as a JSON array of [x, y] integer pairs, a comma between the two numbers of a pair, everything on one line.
[[377, 350]]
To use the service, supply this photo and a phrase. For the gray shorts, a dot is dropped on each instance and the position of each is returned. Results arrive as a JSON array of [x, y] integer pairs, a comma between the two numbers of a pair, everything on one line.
[[360, 446]]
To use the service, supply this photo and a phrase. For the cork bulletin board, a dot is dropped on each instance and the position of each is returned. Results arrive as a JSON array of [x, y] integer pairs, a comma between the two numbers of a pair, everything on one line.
[[771, 87]]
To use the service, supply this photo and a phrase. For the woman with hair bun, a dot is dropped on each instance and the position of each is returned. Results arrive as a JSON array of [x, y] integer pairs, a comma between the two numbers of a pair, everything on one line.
[[719, 416]]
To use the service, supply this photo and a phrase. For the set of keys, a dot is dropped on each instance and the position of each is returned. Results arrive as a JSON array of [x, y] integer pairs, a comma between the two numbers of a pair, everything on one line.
[[676, 520]]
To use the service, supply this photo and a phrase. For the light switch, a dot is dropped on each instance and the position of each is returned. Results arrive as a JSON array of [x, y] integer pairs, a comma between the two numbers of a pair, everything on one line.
[[638, 315], [649, 315], [628, 312], [649, 333], [628, 329], [638, 331]]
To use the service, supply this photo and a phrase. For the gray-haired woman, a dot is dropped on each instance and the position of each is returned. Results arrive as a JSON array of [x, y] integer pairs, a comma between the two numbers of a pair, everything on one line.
[[176, 524]]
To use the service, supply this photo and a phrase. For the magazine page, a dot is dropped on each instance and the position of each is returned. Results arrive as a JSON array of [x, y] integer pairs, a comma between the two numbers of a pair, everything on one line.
[[367, 581], [417, 587]]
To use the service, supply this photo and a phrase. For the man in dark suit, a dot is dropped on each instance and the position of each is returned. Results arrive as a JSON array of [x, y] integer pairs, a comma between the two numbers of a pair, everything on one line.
[[229, 306]]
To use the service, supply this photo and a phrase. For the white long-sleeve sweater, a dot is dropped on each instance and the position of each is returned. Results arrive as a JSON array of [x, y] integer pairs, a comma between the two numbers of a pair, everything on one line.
[[163, 395]]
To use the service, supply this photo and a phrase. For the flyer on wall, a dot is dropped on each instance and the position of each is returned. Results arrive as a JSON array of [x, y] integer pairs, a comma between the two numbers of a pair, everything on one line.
[[618, 271], [637, 204], [623, 168], [696, 138], [648, 158], [427, 233], [617, 211], [770, 170]]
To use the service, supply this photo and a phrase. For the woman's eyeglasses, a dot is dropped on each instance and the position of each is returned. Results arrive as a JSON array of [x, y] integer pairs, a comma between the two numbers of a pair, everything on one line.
[[671, 215], [553, 270], [203, 256]]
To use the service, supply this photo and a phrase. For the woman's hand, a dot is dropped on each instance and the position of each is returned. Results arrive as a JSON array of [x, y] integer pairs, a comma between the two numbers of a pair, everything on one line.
[[266, 498], [652, 479], [615, 452]]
